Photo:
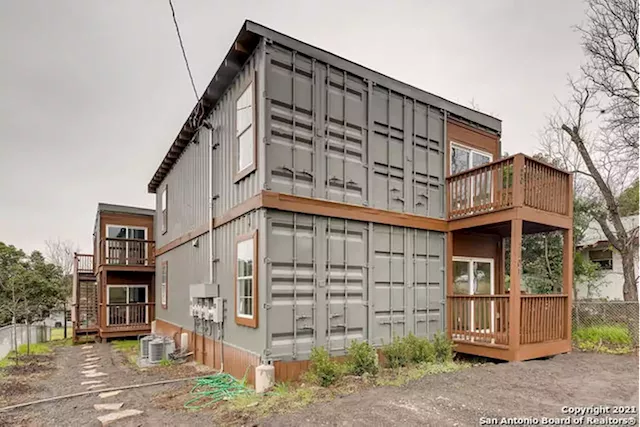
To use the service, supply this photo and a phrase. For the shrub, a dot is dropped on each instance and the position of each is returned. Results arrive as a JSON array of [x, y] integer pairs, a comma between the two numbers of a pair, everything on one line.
[[419, 350], [604, 338], [362, 358], [396, 353], [323, 370], [442, 348]]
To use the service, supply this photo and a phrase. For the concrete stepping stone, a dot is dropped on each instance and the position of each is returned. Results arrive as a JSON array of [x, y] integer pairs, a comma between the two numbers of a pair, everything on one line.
[[91, 359], [89, 366], [87, 347], [91, 387], [109, 394], [95, 374], [107, 406], [89, 371], [114, 416], [91, 382]]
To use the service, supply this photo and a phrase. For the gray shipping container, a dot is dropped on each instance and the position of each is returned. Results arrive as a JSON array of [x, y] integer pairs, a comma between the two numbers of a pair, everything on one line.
[[337, 136], [330, 281]]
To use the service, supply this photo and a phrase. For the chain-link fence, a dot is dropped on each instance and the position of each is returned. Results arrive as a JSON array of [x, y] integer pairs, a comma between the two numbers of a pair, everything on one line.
[[588, 313]]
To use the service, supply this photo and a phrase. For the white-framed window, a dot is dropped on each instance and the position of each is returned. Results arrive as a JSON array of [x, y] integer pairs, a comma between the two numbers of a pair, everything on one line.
[[475, 190], [465, 158], [245, 132], [246, 276], [163, 209], [127, 305], [163, 283], [126, 245]]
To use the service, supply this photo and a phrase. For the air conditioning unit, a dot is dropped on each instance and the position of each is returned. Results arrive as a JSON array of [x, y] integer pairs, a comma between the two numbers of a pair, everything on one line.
[[169, 347], [156, 350], [144, 346]]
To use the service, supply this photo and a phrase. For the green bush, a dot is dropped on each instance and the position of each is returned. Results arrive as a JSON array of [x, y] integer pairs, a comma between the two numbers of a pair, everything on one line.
[[323, 370], [362, 358], [442, 348], [396, 353], [604, 338], [419, 350]]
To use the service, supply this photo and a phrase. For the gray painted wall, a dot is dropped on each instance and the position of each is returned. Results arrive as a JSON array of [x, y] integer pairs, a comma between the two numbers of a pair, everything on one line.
[[330, 281], [336, 136], [187, 192]]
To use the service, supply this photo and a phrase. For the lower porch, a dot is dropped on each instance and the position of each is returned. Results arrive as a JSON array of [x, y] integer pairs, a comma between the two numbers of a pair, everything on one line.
[[490, 310]]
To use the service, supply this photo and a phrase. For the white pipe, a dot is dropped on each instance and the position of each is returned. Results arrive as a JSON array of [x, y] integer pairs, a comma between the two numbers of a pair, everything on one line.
[[211, 217]]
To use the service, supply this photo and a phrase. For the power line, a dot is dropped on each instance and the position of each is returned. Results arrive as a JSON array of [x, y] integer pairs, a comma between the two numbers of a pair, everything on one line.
[[184, 54]]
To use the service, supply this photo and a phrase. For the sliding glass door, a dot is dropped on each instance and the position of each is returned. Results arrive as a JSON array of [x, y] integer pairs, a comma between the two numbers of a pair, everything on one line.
[[131, 249], [127, 304], [474, 276]]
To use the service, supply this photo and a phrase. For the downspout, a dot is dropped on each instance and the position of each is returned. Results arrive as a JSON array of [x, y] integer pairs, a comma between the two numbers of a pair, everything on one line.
[[210, 127]]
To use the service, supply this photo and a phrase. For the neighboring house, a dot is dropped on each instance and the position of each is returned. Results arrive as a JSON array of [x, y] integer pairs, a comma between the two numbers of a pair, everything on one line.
[[113, 288], [597, 248], [309, 201]]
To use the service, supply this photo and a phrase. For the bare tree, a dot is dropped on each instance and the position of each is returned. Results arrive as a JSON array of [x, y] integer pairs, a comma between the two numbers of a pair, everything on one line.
[[595, 133], [61, 253]]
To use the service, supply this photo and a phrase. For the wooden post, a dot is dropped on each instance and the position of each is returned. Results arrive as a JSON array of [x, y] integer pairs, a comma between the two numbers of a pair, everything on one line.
[[514, 289], [567, 261], [449, 279], [518, 177]]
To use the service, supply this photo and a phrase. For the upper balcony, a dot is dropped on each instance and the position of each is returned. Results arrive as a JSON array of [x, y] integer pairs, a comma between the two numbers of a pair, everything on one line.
[[126, 254], [518, 186]]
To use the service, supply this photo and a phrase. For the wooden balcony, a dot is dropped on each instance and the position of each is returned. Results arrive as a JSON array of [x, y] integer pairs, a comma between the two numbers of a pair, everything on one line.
[[526, 187], [127, 319], [481, 325], [127, 254], [83, 263]]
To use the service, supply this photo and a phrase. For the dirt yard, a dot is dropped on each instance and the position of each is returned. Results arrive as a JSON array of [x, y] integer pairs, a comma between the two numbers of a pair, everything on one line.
[[529, 389]]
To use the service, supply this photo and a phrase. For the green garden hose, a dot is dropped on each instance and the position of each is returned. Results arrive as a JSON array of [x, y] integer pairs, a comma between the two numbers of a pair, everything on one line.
[[214, 389]]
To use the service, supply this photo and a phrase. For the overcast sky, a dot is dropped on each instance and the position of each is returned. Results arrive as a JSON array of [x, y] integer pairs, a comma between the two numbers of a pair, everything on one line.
[[92, 93]]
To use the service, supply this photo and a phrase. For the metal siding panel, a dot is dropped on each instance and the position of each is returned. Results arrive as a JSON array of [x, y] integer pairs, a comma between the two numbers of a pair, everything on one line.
[[319, 122], [187, 191], [252, 339], [187, 264], [309, 304], [228, 194]]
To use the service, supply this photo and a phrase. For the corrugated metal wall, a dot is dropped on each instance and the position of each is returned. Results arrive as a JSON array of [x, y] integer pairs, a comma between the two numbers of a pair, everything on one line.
[[187, 191], [226, 193], [224, 275], [187, 264], [336, 136], [329, 281]]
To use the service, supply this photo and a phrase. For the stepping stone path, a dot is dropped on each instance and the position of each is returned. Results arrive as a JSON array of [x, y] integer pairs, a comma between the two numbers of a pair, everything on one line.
[[109, 394], [107, 406], [114, 416], [90, 370]]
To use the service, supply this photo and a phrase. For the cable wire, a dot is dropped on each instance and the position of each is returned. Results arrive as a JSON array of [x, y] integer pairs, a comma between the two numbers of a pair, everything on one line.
[[184, 54]]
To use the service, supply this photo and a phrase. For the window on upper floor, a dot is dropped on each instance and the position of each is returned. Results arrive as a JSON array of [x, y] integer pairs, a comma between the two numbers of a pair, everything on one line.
[[245, 132], [164, 209], [246, 278], [464, 158], [604, 258]]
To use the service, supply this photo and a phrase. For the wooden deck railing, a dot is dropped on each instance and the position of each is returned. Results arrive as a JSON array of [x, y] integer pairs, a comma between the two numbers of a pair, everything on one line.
[[510, 182], [127, 251], [84, 263], [479, 318], [542, 318], [119, 315], [545, 187]]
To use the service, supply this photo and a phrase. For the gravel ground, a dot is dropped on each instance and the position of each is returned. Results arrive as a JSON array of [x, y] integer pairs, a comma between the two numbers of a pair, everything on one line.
[[534, 389], [538, 388]]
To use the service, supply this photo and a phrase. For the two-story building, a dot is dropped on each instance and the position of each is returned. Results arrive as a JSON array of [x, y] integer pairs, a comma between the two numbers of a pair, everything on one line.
[[113, 292], [324, 202]]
